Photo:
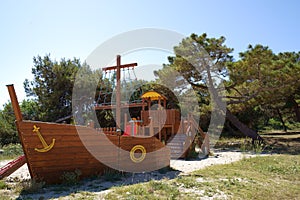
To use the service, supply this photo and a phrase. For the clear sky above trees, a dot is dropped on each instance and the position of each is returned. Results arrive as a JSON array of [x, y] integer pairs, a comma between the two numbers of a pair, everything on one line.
[[75, 28]]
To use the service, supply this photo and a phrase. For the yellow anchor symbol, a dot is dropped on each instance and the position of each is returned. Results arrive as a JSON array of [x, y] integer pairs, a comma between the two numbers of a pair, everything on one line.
[[45, 145]]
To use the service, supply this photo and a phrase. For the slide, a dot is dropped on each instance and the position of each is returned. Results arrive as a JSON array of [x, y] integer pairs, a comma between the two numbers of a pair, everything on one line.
[[12, 166]]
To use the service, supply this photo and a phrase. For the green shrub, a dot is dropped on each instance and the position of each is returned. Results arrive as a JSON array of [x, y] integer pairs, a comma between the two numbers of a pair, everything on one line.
[[273, 124], [31, 186], [12, 150], [71, 178], [112, 175], [3, 185], [293, 125]]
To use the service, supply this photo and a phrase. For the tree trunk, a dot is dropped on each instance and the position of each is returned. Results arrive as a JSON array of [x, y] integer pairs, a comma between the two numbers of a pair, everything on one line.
[[296, 109], [242, 127], [281, 119], [233, 132], [233, 119]]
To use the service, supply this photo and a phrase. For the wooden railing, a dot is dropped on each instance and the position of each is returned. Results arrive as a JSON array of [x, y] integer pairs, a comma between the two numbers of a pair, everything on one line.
[[160, 117], [196, 126], [108, 130]]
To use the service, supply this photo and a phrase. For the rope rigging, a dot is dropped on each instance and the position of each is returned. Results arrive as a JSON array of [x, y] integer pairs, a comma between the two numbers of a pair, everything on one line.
[[130, 92], [105, 88]]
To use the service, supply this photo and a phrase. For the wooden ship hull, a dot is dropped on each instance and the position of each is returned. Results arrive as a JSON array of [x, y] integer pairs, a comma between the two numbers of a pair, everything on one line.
[[52, 149]]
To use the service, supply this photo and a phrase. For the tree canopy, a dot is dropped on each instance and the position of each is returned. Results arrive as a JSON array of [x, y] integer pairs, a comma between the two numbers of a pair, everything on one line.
[[52, 86], [257, 87], [261, 88]]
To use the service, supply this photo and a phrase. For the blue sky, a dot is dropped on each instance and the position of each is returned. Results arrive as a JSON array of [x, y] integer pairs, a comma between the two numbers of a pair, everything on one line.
[[68, 29]]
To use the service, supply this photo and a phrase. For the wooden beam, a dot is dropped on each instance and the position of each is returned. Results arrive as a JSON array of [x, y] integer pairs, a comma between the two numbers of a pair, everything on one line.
[[121, 66], [14, 102], [132, 105]]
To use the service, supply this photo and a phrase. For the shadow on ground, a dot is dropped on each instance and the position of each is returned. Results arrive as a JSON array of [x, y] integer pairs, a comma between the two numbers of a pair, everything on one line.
[[283, 145]]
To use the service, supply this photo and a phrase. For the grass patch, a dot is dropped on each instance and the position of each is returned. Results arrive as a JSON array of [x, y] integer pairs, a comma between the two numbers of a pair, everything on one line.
[[257, 178], [264, 177], [150, 190], [81, 195], [187, 182], [3, 185]]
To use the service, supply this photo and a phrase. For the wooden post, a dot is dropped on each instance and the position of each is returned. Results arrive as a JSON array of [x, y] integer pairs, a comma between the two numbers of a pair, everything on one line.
[[151, 127], [159, 112], [149, 103], [14, 102], [143, 131], [118, 93], [165, 134], [143, 102], [182, 128], [91, 124], [159, 103], [125, 120]]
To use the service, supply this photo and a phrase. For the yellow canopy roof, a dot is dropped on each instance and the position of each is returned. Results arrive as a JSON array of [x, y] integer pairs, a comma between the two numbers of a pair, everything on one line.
[[153, 96]]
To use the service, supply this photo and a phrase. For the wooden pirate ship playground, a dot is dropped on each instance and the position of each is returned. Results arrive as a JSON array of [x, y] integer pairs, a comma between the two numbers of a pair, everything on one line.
[[140, 143]]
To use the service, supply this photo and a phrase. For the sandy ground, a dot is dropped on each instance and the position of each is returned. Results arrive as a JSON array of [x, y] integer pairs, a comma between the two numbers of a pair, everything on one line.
[[101, 187], [21, 174], [183, 166], [219, 158]]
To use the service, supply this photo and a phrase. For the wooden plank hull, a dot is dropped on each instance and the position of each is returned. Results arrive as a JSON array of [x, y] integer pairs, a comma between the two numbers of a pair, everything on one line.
[[52, 149]]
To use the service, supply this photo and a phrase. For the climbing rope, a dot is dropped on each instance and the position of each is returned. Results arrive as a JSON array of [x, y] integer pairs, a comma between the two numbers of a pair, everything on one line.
[[128, 83]]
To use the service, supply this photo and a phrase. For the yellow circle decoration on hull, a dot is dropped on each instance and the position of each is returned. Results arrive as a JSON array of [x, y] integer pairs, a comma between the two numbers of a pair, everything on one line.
[[134, 149]]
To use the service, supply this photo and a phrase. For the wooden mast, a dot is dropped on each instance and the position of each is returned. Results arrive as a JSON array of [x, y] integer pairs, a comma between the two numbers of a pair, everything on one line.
[[118, 68], [14, 102], [118, 93]]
